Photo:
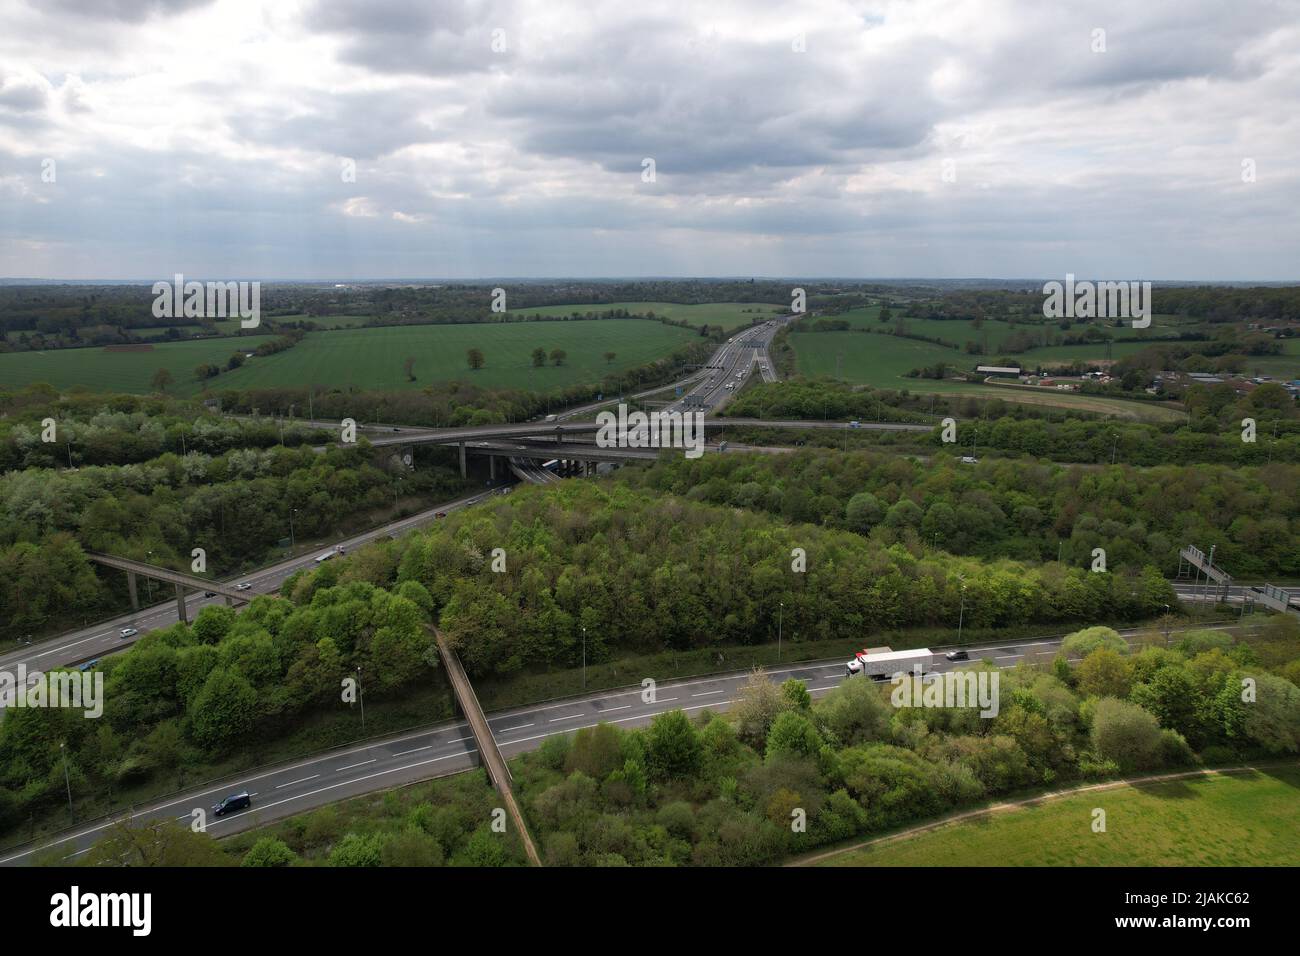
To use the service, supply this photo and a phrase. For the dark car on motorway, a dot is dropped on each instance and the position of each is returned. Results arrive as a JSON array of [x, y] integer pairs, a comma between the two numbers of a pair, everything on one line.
[[957, 656], [236, 801]]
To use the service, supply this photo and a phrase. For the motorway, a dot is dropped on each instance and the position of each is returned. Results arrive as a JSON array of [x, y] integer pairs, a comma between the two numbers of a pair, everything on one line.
[[105, 637], [448, 747]]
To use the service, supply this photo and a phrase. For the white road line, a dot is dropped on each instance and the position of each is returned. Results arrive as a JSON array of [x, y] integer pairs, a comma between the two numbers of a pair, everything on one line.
[[707, 693], [353, 766], [506, 730], [415, 751], [570, 717], [294, 783]]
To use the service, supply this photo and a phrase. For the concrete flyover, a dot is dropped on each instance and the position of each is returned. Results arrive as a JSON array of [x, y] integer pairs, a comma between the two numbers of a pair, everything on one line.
[[180, 580], [489, 753]]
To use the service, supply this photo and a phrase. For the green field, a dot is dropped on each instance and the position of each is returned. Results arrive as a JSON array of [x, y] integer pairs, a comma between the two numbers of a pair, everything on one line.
[[729, 315], [1239, 819], [884, 360], [368, 358], [103, 371], [373, 358], [995, 331]]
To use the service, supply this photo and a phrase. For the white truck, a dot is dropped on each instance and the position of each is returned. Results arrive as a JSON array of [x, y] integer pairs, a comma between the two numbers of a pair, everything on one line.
[[881, 664]]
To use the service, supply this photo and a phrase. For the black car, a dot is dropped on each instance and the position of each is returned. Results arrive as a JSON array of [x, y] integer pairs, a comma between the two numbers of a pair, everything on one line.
[[237, 801], [957, 656], [209, 593]]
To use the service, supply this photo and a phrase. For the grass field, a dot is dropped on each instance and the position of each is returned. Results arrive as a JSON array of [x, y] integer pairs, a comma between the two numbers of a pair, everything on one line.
[[994, 331], [884, 360], [102, 370], [729, 315], [1238, 819], [368, 358], [373, 358]]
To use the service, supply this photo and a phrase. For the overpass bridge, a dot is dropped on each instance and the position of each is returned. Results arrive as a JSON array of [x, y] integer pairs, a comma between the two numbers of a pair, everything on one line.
[[182, 581], [489, 753]]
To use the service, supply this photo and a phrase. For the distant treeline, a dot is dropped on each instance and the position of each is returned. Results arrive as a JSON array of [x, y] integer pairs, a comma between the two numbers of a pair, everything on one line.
[[1015, 509]]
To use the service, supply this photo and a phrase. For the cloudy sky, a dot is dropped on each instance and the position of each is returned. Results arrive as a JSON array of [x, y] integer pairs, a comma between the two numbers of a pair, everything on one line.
[[443, 138]]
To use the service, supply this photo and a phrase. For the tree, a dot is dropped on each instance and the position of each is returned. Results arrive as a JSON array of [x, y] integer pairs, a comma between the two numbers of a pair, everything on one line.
[[863, 512], [1125, 733], [223, 709], [155, 843], [356, 850], [162, 380], [672, 746], [854, 713], [213, 623], [408, 367], [539, 357], [1104, 673], [792, 735], [758, 704], [475, 358], [269, 851], [609, 358], [558, 356], [1083, 643]]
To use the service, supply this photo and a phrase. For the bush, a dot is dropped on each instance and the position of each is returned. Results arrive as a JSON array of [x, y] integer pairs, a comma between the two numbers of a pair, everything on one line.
[[1126, 734], [1084, 642], [356, 850], [269, 851]]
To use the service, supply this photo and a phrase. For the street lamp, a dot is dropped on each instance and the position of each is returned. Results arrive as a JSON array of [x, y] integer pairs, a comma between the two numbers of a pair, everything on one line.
[[361, 695], [293, 540], [780, 626], [66, 778], [584, 657], [1167, 616], [961, 617]]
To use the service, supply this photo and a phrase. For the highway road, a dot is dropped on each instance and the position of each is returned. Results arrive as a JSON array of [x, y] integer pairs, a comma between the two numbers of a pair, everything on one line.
[[105, 637], [448, 747]]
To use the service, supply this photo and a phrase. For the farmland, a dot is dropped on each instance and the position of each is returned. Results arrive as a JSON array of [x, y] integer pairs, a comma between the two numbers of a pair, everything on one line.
[[374, 358], [368, 358], [105, 370], [1245, 819], [884, 360], [729, 315]]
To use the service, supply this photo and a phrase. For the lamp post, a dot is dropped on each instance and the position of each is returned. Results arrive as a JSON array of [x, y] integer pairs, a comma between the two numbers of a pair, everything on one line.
[[361, 695], [293, 540], [1167, 615], [584, 657], [780, 627], [66, 777], [961, 617], [1114, 446]]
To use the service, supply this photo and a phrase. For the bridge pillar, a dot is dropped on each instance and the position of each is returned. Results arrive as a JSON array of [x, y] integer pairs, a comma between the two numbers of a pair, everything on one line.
[[492, 467], [463, 473], [130, 586], [180, 604]]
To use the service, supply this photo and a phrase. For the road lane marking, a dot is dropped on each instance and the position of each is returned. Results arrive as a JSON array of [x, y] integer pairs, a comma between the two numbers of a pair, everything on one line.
[[292, 783], [353, 766]]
